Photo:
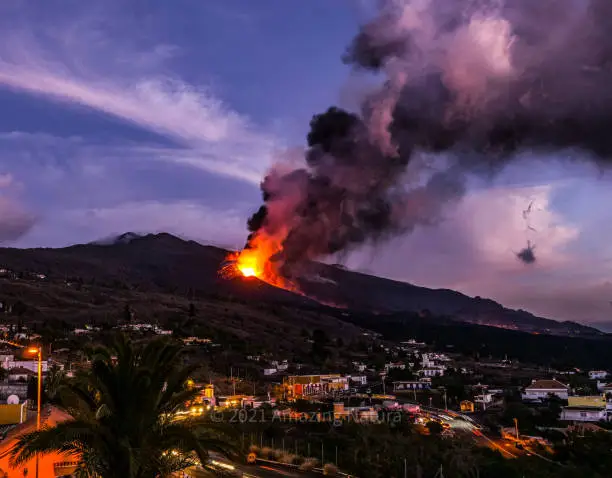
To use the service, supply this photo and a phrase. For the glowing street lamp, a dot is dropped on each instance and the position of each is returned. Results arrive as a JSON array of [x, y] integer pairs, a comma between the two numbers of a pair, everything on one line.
[[38, 352]]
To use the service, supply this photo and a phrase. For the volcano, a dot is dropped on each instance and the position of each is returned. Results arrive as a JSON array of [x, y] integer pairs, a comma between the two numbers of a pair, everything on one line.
[[165, 263]]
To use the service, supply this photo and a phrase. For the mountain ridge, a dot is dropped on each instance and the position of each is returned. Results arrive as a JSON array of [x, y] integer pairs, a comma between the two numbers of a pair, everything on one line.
[[164, 262]]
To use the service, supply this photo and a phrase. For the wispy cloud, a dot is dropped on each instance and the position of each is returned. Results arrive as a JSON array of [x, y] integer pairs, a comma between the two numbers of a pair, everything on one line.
[[80, 63], [184, 218]]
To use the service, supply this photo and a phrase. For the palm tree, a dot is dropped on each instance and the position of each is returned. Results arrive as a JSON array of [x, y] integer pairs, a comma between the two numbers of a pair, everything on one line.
[[124, 416], [54, 381]]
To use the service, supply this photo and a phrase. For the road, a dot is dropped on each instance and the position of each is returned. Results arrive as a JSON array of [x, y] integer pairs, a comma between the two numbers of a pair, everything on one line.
[[463, 425], [255, 471], [260, 470]]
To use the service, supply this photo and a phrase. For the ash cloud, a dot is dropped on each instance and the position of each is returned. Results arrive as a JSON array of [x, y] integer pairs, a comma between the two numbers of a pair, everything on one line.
[[475, 81], [14, 220]]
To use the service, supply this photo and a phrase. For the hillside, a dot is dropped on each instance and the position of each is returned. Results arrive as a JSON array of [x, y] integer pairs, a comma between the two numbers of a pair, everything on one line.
[[133, 266]]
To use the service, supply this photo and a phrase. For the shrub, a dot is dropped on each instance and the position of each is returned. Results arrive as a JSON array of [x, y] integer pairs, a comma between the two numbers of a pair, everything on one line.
[[330, 469], [267, 453], [287, 458], [254, 449], [309, 464]]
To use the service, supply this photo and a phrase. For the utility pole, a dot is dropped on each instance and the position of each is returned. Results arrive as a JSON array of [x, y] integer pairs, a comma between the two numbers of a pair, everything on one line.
[[445, 404]]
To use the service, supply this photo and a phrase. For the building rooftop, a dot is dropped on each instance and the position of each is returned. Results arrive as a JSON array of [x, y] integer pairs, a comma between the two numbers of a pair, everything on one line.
[[547, 385], [20, 371]]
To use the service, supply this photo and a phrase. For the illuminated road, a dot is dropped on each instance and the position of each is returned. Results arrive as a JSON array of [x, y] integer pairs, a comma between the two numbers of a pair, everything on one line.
[[254, 471]]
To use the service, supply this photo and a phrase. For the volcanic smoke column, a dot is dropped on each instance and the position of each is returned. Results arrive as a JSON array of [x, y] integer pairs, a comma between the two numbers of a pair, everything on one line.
[[468, 85]]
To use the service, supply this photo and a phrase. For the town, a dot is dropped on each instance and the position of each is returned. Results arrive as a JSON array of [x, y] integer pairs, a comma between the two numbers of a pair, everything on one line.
[[279, 405]]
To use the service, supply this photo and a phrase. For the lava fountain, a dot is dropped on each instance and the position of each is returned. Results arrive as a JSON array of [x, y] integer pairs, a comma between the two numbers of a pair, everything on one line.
[[257, 260]]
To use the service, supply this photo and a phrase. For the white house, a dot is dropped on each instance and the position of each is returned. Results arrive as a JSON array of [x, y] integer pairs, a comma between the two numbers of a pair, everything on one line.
[[484, 398], [358, 379], [435, 371], [604, 387], [583, 414], [20, 374], [542, 389], [395, 366], [597, 374], [280, 366], [411, 385], [8, 362]]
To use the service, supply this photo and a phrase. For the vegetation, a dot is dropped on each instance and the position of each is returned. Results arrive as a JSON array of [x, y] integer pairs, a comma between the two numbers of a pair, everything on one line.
[[482, 341], [123, 413]]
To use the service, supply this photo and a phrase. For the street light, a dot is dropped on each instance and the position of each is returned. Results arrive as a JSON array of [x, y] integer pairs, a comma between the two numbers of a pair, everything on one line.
[[38, 352]]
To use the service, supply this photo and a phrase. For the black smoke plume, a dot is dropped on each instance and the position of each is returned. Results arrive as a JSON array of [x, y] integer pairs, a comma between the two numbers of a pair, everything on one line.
[[527, 255], [469, 82]]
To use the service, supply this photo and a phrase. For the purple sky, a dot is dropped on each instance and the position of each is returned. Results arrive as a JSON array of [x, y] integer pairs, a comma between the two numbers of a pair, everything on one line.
[[163, 116]]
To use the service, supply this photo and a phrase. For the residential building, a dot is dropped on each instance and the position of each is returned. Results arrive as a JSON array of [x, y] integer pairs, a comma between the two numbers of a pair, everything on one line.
[[604, 387], [395, 366], [256, 402], [305, 386], [598, 374], [543, 389], [20, 374], [358, 379], [281, 366], [433, 371], [13, 413], [583, 414], [8, 362], [358, 414], [269, 371], [587, 401], [196, 341], [411, 385], [484, 398]]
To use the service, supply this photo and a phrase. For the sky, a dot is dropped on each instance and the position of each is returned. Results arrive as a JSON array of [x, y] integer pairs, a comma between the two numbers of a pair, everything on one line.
[[152, 116]]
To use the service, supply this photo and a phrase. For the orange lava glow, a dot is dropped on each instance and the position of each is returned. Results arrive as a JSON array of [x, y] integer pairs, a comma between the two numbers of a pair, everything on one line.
[[255, 262]]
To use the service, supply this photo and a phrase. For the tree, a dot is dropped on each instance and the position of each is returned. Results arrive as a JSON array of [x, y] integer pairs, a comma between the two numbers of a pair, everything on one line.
[[19, 308], [54, 381], [123, 416], [319, 350], [128, 315], [192, 310]]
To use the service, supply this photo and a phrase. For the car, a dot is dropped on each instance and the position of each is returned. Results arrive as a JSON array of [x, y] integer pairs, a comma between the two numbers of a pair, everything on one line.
[[223, 469]]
